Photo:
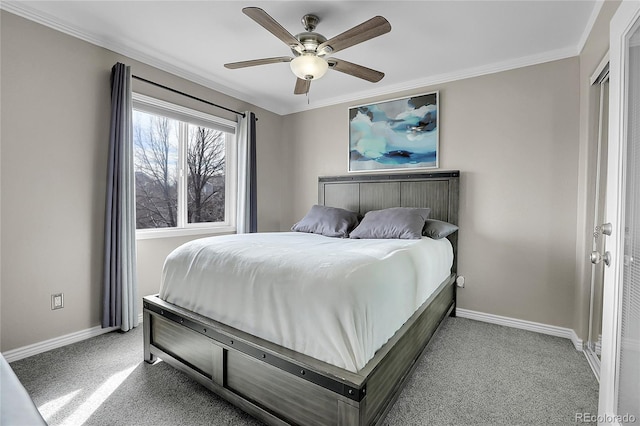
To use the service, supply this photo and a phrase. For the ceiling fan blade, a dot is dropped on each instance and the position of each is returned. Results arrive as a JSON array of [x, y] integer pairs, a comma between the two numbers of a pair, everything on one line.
[[302, 86], [271, 25], [355, 70], [253, 63], [374, 27]]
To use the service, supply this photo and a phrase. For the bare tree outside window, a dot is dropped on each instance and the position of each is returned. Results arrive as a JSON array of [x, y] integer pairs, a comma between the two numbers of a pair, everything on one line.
[[155, 141], [205, 179]]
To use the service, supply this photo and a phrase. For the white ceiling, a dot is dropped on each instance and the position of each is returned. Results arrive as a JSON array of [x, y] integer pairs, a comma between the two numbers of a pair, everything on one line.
[[430, 42]]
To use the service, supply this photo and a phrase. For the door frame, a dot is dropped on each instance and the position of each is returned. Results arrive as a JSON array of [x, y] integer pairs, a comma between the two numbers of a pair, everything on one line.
[[598, 80], [621, 24]]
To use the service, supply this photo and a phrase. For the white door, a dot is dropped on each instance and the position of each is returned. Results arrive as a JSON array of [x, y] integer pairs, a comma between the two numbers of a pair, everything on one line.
[[594, 342], [620, 368]]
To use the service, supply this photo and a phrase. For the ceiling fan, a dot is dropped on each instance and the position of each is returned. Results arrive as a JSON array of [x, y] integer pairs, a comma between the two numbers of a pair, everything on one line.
[[310, 48]]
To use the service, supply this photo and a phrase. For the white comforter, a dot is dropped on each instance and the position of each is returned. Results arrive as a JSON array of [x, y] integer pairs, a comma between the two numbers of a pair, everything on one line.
[[337, 300]]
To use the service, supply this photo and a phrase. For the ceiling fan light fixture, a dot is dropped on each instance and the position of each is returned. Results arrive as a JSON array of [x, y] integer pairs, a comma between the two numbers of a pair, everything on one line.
[[310, 48], [309, 67]]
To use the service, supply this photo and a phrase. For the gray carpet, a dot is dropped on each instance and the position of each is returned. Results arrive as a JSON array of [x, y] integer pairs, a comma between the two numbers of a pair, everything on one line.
[[472, 374]]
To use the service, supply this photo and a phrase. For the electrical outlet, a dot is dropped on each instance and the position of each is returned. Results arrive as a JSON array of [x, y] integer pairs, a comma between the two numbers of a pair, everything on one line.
[[460, 281], [57, 301]]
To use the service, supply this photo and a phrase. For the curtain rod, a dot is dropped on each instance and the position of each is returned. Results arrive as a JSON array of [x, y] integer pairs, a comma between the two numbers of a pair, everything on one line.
[[187, 95]]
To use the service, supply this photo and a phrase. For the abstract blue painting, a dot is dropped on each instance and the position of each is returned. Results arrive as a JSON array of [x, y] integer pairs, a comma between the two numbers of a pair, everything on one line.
[[394, 135]]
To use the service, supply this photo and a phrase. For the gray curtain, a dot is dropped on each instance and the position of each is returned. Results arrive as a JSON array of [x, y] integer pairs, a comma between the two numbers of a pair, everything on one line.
[[247, 211], [120, 289]]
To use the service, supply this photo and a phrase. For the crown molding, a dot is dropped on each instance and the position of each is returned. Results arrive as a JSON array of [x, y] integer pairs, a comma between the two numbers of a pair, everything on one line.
[[441, 79], [157, 61], [590, 23], [270, 104]]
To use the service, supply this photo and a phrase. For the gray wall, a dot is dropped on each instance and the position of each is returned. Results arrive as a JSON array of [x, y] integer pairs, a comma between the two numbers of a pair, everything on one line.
[[521, 139], [55, 115], [514, 136]]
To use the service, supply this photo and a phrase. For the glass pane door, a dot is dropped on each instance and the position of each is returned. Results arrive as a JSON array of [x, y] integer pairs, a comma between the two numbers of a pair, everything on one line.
[[629, 339]]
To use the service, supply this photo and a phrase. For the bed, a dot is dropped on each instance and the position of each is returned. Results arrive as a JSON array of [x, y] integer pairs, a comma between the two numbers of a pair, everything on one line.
[[16, 406], [282, 384]]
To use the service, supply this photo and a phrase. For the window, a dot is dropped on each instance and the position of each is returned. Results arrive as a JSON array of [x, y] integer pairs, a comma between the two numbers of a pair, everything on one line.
[[184, 170]]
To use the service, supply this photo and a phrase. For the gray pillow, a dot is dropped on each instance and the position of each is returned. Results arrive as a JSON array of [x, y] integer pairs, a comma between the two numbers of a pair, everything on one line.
[[327, 221], [437, 229], [396, 222]]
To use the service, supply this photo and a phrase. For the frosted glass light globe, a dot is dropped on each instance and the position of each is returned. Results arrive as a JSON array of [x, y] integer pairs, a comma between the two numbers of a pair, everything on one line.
[[309, 67]]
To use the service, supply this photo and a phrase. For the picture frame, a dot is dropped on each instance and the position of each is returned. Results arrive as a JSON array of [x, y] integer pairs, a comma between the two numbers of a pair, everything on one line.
[[400, 134]]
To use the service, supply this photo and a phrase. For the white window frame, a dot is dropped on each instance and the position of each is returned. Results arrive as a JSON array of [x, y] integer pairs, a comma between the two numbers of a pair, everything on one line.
[[156, 106]]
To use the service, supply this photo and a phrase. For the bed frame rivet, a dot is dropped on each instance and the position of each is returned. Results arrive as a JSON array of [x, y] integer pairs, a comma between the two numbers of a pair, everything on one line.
[[302, 372], [350, 391], [161, 312], [204, 330], [232, 342], [264, 355]]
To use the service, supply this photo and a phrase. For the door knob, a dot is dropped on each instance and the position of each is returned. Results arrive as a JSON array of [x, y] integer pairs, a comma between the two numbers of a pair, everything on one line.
[[596, 258]]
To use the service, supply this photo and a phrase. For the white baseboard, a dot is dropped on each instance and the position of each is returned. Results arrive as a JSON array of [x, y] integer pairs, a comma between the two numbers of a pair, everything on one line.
[[537, 327], [58, 342]]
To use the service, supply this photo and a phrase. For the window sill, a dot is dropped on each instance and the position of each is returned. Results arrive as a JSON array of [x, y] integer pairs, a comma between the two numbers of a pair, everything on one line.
[[149, 234]]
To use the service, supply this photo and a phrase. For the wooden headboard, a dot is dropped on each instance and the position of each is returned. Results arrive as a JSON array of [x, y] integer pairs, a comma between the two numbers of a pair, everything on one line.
[[362, 193]]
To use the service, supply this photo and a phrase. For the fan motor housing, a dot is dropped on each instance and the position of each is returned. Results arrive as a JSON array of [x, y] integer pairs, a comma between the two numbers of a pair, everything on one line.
[[310, 41]]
